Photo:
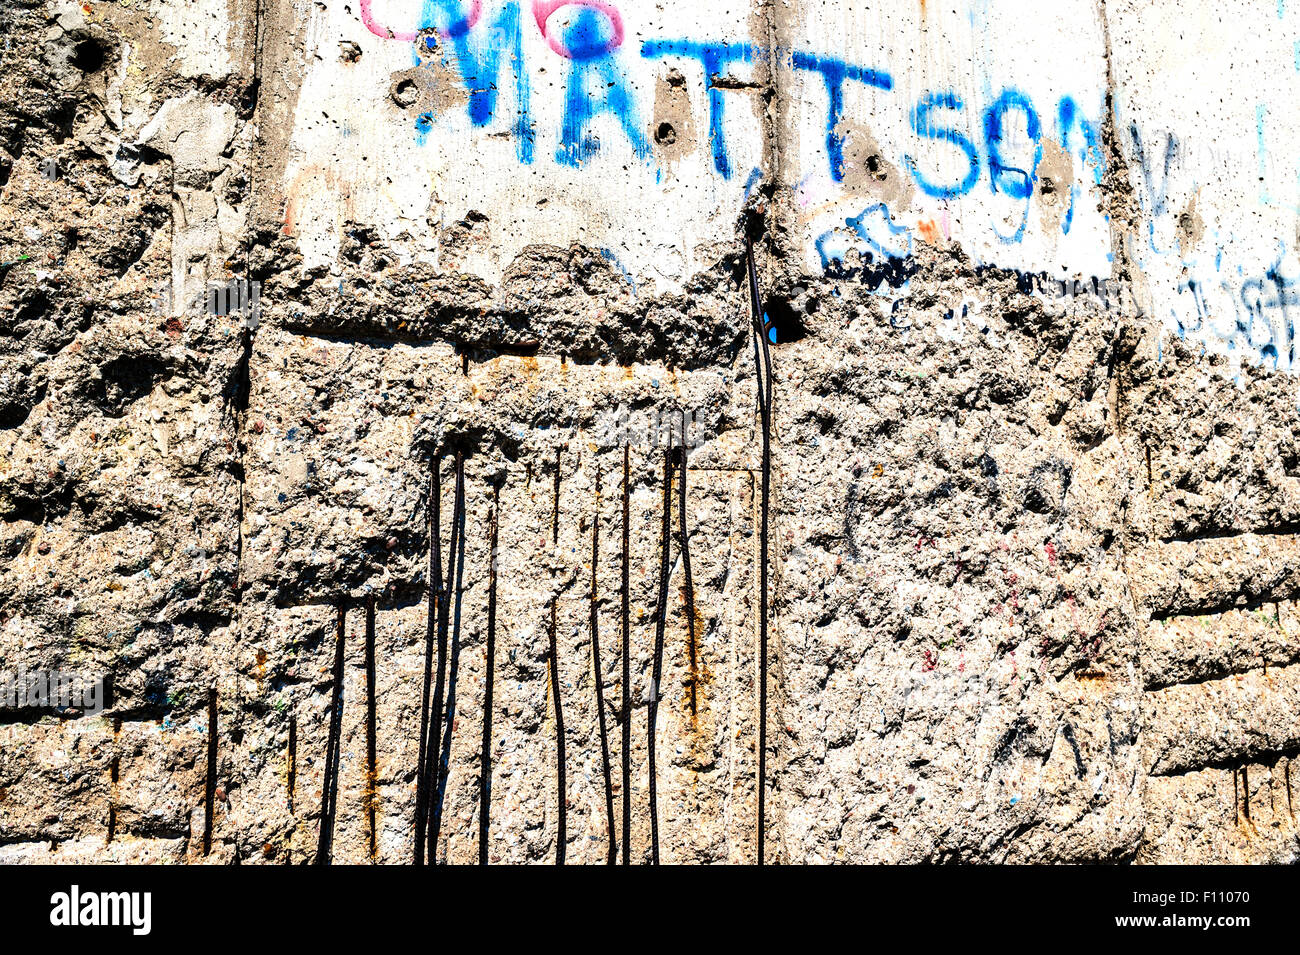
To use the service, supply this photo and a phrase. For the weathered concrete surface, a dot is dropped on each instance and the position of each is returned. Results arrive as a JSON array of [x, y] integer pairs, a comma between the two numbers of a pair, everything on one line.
[[1036, 469]]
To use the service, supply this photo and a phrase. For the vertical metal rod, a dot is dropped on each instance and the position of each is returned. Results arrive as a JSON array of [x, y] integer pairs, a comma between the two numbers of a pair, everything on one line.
[[371, 762], [685, 544], [600, 677], [763, 376], [434, 526], [114, 769], [657, 673], [625, 710], [485, 761], [435, 755], [209, 795], [330, 785], [561, 829], [292, 761]]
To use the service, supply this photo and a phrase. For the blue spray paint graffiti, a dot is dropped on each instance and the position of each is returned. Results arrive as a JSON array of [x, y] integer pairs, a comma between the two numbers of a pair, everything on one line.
[[836, 73], [886, 243], [925, 126], [479, 64], [714, 58], [1015, 182], [1262, 321], [591, 63], [1067, 117]]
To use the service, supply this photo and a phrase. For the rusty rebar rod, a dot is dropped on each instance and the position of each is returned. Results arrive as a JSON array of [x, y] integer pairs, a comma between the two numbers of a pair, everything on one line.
[[485, 760], [210, 787], [657, 671], [625, 710], [434, 527], [333, 745], [600, 678], [685, 545], [436, 749], [371, 762]]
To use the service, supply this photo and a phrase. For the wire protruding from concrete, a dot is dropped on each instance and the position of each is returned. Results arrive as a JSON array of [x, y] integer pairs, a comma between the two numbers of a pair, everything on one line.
[[561, 826], [625, 710], [685, 545], [210, 787], [436, 757], [333, 747], [600, 679], [763, 382], [423, 764], [371, 793], [661, 611], [489, 668]]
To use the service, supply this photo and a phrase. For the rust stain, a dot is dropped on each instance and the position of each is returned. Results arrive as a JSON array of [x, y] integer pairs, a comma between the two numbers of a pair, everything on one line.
[[701, 678], [929, 232]]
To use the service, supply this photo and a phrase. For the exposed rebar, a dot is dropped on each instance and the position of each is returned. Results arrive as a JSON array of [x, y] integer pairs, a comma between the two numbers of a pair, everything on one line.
[[685, 545], [561, 826], [435, 756], [434, 527], [485, 761], [600, 678], [763, 380], [291, 761], [330, 783], [657, 671], [625, 710], [210, 787], [371, 762]]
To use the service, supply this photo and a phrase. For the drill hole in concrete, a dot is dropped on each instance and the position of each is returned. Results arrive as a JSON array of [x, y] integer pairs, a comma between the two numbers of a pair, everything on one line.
[[405, 93], [784, 323], [89, 56], [665, 135]]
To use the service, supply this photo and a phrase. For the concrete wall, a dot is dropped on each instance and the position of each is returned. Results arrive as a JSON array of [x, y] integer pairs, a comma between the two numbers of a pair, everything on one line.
[[1033, 556]]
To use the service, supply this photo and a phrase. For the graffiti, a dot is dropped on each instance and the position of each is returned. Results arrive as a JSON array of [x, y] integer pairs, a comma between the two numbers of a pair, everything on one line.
[[1250, 316], [714, 58], [1156, 194], [874, 228], [590, 35], [454, 28], [668, 428], [479, 64], [1233, 293], [1089, 153], [836, 73], [589, 46], [589, 61], [925, 127]]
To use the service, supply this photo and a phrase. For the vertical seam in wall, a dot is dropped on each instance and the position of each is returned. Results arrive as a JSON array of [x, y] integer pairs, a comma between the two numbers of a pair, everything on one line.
[[771, 145], [1123, 269]]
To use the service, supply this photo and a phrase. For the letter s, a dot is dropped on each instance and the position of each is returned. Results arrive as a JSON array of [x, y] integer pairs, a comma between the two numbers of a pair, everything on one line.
[[924, 126]]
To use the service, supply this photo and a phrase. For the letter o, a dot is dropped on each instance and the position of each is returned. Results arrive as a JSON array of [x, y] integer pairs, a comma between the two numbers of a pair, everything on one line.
[[544, 9], [459, 28]]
